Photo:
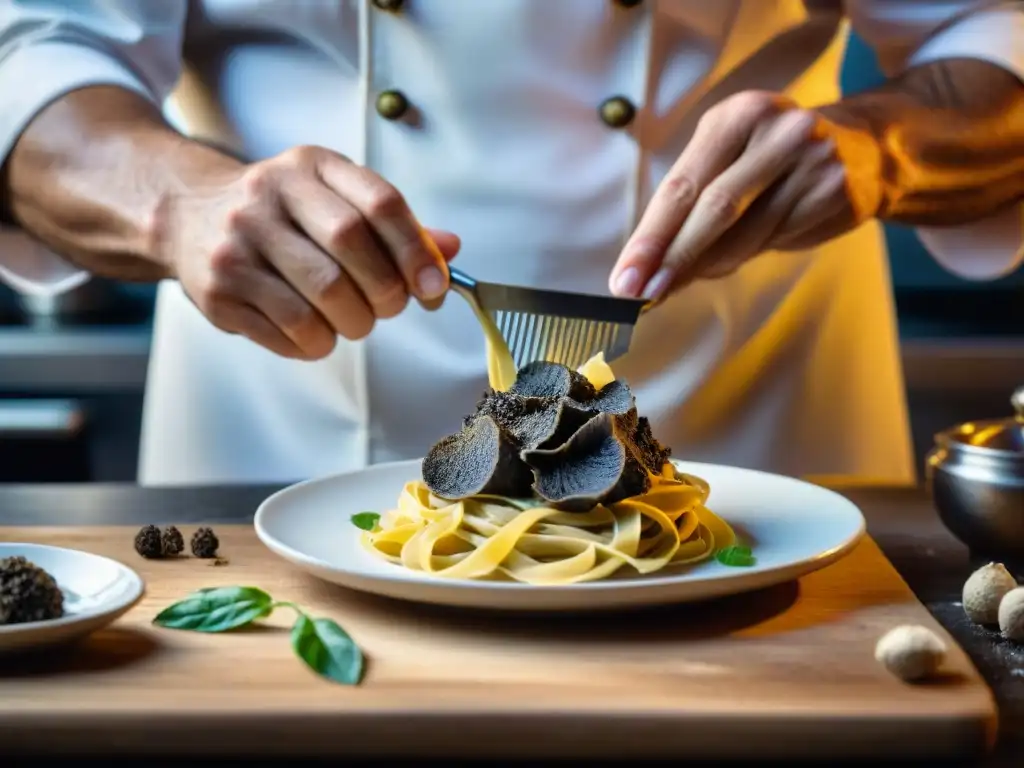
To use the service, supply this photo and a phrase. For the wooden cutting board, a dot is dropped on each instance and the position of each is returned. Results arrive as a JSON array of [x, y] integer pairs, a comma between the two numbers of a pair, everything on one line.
[[785, 671]]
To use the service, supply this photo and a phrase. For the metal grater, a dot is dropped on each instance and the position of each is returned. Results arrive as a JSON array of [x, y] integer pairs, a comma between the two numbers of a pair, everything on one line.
[[560, 327]]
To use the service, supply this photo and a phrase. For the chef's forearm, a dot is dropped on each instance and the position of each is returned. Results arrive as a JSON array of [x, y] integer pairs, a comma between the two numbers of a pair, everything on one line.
[[90, 175], [951, 135]]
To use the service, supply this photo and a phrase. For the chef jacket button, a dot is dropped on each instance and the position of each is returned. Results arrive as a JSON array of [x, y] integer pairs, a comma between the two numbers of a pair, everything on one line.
[[388, 5], [617, 112], [391, 105]]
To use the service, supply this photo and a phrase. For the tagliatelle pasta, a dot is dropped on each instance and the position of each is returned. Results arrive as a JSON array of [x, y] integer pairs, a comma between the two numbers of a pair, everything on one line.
[[491, 537]]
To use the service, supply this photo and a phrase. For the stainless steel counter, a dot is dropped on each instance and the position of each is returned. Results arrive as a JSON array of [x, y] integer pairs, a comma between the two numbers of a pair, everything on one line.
[[71, 402], [93, 358]]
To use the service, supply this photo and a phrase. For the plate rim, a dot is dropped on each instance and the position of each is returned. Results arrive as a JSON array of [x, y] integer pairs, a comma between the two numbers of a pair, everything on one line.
[[802, 566], [69, 620]]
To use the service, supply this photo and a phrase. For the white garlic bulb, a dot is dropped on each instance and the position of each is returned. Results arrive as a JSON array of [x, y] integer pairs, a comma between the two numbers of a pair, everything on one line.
[[983, 591], [911, 652], [1011, 615]]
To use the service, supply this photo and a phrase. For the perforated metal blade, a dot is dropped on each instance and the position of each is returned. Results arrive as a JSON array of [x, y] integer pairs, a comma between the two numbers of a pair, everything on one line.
[[556, 326]]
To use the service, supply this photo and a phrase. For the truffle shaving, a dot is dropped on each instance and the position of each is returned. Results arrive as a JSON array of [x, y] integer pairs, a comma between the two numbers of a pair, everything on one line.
[[569, 417], [543, 379], [481, 458], [613, 398], [597, 465], [529, 421]]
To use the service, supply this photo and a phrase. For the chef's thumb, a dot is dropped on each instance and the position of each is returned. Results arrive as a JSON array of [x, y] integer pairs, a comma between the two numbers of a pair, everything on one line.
[[447, 243]]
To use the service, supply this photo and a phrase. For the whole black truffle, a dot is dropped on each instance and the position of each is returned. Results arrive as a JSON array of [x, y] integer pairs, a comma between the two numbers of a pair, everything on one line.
[[172, 540], [27, 592], [148, 542], [205, 543]]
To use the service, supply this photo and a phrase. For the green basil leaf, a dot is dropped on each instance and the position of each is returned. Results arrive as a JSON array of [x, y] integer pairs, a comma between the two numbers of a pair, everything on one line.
[[737, 556], [327, 650], [217, 609], [365, 520]]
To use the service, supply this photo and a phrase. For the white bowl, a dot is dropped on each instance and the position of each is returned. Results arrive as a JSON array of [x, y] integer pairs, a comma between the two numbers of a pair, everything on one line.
[[97, 591]]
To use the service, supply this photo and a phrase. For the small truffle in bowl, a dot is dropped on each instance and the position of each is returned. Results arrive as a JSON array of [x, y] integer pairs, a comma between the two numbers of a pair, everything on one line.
[[27, 592]]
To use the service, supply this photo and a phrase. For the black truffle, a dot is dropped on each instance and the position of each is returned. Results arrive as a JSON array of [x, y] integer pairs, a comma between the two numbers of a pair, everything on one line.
[[651, 453], [614, 397], [600, 464], [482, 458], [148, 542], [544, 379], [569, 417], [172, 540], [27, 592], [532, 422], [527, 420], [204, 543], [544, 437]]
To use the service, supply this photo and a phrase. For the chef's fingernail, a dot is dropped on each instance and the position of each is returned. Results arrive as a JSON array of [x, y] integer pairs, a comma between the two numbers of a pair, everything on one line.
[[658, 284], [431, 282], [627, 283]]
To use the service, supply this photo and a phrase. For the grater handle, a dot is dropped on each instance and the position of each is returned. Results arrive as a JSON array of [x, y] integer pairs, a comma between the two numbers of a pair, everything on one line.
[[460, 281], [465, 286]]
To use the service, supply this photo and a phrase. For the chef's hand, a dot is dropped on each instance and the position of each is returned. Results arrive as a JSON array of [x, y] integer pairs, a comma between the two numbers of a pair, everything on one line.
[[759, 174], [293, 251]]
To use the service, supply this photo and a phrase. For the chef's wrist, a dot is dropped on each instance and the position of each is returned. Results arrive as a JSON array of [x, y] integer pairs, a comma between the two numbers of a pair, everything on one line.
[[948, 136], [89, 177], [866, 120], [186, 171]]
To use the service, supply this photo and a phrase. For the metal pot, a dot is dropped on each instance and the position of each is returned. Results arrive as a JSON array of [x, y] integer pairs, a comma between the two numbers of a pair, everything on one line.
[[975, 475]]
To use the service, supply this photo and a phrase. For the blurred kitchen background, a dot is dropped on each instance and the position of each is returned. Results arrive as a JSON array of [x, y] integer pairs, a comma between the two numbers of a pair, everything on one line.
[[72, 372]]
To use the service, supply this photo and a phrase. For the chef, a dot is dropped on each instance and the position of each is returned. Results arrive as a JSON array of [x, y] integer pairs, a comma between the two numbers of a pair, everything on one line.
[[297, 174]]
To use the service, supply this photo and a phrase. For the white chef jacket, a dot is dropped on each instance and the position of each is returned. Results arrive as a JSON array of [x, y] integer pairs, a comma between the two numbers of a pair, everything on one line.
[[790, 365]]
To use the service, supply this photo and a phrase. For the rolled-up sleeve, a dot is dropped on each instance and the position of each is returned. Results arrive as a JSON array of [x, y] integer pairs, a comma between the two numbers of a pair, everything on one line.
[[907, 33], [49, 48]]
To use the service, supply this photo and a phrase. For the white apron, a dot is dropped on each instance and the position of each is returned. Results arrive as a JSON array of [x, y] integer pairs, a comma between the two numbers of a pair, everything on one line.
[[791, 365]]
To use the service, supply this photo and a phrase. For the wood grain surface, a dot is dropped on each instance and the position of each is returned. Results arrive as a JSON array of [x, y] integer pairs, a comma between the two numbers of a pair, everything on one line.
[[780, 672]]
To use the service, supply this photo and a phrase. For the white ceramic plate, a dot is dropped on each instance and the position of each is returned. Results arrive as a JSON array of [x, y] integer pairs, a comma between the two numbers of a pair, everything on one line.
[[793, 527], [97, 590]]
